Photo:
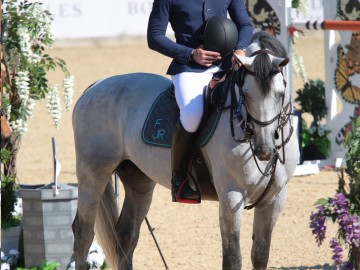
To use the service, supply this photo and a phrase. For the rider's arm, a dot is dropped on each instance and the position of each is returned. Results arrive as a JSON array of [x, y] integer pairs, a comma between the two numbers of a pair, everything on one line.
[[156, 34], [240, 17]]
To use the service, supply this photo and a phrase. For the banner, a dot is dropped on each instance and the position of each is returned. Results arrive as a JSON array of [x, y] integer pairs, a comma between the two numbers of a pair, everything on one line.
[[74, 19], [96, 19]]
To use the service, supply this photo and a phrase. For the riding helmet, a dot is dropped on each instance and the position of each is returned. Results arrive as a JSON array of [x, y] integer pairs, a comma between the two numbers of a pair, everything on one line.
[[220, 35]]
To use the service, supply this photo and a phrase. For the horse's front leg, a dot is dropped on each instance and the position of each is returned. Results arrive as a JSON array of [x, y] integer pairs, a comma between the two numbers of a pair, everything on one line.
[[231, 206], [265, 217]]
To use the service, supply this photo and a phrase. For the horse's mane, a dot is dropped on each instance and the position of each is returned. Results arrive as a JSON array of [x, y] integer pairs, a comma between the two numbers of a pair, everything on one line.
[[262, 63]]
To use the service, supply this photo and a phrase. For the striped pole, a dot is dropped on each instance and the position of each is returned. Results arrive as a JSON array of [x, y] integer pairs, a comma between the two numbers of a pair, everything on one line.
[[328, 25]]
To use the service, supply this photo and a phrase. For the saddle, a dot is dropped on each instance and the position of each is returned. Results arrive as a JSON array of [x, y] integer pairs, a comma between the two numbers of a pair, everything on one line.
[[162, 117]]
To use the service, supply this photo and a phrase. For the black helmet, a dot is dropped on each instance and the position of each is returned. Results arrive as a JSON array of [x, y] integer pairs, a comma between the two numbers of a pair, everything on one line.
[[220, 35]]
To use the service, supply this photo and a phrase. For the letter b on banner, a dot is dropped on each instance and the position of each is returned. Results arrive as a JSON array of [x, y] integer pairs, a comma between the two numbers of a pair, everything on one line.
[[139, 7]]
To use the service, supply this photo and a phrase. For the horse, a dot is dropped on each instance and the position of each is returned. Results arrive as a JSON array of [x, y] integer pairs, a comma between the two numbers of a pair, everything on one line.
[[250, 159]]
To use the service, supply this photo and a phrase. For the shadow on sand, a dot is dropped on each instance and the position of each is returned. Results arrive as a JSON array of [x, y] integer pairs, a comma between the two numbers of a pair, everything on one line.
[[322, 267]]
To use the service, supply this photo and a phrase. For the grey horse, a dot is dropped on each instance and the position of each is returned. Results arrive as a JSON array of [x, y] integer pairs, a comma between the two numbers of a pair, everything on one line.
[[250, 159]]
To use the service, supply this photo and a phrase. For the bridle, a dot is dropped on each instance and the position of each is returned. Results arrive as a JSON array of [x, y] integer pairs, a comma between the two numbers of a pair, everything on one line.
[[247, 122]]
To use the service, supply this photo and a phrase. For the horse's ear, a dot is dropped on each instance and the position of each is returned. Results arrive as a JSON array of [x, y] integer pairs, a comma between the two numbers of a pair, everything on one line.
[[244, 60], [284, 62], [278, 61]]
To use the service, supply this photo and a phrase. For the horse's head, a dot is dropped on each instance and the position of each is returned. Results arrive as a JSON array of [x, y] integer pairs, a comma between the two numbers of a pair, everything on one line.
[[263, 86]]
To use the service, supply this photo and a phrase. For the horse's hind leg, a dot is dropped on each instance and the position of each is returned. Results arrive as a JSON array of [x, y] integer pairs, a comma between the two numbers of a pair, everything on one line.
[[91, 188], [265, 218], [138, 196]]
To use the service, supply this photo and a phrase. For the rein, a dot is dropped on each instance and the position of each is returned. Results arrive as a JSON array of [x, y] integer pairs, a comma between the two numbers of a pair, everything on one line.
[[247, 123]]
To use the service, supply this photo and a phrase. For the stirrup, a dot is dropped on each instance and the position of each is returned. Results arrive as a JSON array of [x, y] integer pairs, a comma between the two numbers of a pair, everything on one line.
[[176, 194]]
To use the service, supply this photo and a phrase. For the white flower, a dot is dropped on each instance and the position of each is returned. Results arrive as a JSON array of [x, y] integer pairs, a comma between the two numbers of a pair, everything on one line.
[[18, 207], [19, 127], [322, 127], [71, 266], [96, 257], [53, 105], [321, 132], [95, 247], [95, 260], [302, 7], [312, 129], [27, 109], [25, 42], [44, 20], [2, 254], [22, 84], [29, 29], [5, 266], [68, 84], [36, 11], [35, 58], [6, 103], [298, 65]]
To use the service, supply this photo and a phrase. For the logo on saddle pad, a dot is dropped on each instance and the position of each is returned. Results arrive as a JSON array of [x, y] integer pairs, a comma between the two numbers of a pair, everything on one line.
[[161, 131]]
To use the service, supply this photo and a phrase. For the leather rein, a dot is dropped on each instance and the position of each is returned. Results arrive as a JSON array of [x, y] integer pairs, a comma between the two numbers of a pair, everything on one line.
[[247, 123]]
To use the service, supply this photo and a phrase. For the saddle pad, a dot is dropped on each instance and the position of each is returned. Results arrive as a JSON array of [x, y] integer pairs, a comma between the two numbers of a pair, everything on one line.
[[162, 118]]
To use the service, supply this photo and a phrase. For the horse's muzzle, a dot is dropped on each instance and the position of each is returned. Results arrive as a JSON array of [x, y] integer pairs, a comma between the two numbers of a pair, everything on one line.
[[263, 154]]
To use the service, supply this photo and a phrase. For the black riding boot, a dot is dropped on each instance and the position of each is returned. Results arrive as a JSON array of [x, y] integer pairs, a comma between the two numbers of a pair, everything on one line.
[[182, 144]]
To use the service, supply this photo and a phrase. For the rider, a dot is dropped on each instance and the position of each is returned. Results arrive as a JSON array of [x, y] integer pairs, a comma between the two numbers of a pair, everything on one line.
[[191, 69]]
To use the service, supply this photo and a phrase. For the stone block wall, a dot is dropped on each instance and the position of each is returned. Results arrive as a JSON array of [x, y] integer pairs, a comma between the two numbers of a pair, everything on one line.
[[47, 223]]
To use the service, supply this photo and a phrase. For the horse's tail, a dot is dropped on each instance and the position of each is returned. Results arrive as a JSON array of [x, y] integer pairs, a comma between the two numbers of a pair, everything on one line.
[[106, 219]]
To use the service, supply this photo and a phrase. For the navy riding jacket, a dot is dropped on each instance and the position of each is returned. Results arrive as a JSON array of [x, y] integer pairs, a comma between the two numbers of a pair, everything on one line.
[[187, 19]]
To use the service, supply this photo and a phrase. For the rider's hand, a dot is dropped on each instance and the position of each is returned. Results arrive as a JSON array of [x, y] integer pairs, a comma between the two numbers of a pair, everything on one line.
[[205, 58], [235, 64]]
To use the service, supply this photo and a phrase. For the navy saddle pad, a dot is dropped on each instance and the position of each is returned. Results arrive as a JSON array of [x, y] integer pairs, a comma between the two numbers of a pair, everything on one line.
[[163, 116]]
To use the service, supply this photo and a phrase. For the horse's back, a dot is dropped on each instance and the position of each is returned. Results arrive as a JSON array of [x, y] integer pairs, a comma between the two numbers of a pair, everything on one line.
[[114, 109], [130, 89], [118, 85]]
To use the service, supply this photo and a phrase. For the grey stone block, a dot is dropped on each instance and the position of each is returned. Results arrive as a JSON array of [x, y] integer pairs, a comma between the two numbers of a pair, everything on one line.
[[47, 225]]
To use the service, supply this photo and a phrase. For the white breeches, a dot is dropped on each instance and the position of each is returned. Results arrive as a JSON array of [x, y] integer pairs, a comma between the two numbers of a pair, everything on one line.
[[189, 88]]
